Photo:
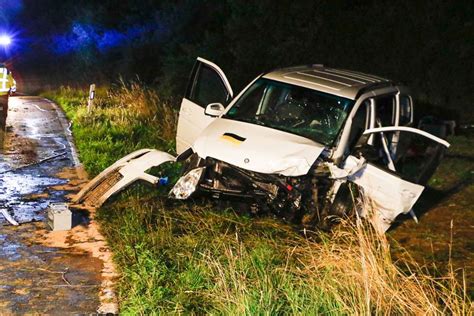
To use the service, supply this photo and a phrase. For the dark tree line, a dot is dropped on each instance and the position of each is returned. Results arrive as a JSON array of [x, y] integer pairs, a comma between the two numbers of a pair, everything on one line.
[[428, 45]]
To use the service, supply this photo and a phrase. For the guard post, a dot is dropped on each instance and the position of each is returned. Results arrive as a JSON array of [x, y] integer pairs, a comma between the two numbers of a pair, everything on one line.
[[90, 102]]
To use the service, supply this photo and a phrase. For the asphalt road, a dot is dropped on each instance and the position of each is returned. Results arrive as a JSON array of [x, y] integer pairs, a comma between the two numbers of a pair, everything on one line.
[[37, 164]]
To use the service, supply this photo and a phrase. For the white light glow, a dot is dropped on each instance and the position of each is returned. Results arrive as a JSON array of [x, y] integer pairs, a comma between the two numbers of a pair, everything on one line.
[[5, 40]]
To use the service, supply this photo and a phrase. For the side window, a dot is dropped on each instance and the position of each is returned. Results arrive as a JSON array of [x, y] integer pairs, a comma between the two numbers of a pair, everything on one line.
[[385, 110], [416, 158], [208, 88], [405, 110], [249, 103], [359, 123]]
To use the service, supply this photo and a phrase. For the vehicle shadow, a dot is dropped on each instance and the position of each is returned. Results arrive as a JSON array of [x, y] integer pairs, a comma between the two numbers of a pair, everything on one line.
[[432, 197]]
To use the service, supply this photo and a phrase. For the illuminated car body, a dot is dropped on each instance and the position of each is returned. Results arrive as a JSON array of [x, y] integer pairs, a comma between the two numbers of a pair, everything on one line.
[[297, 140], [307, 143]]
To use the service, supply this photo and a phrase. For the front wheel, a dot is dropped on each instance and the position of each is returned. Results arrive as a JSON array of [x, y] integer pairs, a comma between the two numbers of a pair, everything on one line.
[[343, 206]]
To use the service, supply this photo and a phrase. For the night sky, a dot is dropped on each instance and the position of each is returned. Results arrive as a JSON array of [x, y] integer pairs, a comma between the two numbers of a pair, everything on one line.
[[29, 24]]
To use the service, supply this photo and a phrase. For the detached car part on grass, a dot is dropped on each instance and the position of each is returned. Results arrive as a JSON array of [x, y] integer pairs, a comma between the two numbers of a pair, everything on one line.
[[121, 174], [299, 142]]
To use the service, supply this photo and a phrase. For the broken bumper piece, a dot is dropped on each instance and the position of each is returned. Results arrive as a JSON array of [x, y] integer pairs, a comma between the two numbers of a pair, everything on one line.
[[121, 174], [187, 184]]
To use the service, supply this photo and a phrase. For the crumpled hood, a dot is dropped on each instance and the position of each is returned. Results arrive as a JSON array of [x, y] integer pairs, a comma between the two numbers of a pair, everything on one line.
[[257, 148]]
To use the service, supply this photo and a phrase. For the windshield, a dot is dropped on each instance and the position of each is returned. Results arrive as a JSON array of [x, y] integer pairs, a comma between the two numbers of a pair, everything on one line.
[[301, 111]]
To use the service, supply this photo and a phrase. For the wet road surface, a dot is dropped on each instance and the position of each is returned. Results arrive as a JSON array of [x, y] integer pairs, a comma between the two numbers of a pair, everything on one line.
[[35, 278]]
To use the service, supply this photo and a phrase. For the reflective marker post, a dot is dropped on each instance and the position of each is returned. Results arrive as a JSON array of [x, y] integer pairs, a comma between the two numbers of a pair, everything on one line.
[[90, 102]]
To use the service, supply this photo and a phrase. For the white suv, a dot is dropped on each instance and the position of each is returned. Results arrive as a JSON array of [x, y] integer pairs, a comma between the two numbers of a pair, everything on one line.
[[293, 138], [300, 142]]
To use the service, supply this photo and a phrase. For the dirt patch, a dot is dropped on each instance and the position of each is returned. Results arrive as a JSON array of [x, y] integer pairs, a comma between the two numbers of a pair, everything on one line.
[[444, 238], [75, 175], [84, 237], [20, 150], [36, 196], [87, 238], [41, 279]]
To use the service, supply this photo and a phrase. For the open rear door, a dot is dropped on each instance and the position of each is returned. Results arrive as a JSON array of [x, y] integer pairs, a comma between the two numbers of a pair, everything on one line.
[[393, 182], [388, 194], [207, 84]]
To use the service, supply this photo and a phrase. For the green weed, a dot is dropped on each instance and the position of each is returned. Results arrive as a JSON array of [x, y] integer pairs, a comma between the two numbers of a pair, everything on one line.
[[124, 118]]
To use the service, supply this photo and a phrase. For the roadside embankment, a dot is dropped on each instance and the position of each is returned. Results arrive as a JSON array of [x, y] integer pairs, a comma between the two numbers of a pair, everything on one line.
[[198, 258]]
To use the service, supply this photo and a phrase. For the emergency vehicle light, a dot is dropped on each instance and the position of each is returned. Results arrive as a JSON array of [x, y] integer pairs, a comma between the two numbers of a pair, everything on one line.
[[5, 40]]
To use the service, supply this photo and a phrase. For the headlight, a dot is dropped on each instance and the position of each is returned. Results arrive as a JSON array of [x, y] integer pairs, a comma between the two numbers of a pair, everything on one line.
[[186, 185]]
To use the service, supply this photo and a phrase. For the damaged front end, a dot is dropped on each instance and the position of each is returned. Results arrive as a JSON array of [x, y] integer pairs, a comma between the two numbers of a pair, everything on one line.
[[317, 198], [296, 198], [187, 184]]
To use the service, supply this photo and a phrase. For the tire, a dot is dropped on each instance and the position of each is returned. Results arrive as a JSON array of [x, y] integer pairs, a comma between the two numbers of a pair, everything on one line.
[[343, 206]]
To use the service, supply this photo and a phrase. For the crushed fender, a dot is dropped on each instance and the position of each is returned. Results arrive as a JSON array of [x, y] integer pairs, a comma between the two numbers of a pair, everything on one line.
[[389, 195], [122, 174]]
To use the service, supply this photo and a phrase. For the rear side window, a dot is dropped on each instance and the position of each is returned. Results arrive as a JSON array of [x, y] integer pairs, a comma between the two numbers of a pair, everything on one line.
[[405, 110], [209, 88], [385, 110], [415, 157]]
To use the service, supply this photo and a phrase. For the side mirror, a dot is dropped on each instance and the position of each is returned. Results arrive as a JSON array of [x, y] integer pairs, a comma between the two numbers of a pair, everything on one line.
[[214, 109]]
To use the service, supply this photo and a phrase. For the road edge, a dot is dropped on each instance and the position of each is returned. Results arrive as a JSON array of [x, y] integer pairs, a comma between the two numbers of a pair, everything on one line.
[[65, 124], [107, 295]]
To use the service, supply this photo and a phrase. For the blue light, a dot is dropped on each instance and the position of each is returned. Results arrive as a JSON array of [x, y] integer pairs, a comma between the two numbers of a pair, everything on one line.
[[87, 36], [110, 39], [5, 40]]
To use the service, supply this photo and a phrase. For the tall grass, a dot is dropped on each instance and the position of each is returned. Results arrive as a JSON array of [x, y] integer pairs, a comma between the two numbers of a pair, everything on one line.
[[196, 258], [193, 258], [125, 117]]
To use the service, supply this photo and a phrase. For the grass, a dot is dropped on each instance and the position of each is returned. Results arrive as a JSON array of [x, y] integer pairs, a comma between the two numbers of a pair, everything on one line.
[[193, 259], [443, 238], [197, 258], [457, 165], [124, 118]]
